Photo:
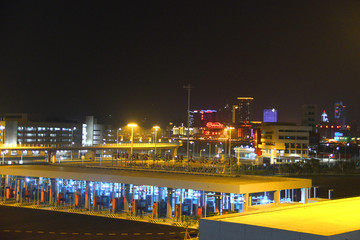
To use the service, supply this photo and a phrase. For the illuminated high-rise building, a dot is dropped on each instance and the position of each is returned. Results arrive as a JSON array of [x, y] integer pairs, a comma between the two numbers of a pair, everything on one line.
[[244, 109], [340, 114], [270, 115], [324, 117], [199, 118], [309, 115]]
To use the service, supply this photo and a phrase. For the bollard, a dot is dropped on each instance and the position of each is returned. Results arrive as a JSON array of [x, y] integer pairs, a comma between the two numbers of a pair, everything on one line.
[[331, 194], [315, 191]]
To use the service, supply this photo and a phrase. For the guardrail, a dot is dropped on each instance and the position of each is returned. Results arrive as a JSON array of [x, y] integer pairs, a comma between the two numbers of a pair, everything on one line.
[[79, 146]]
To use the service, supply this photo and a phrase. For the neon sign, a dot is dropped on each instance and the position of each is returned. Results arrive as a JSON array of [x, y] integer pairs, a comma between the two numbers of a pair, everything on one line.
[[214, 125]]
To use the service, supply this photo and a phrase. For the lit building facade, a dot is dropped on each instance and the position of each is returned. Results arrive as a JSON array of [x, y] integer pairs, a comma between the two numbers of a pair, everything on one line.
[[340, 114], [21, 129], [199, 118], [270, 115], [309, 115], [283, 142], [243, 114]]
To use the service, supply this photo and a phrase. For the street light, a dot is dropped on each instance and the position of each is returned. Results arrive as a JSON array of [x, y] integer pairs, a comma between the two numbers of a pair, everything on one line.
[[209, 149], [72, 141], [202, 150], [230, 128], [156, 128], [117, 135], [132, 125]]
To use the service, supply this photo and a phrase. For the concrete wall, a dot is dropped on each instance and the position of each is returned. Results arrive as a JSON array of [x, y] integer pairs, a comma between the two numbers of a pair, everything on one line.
[[355, 235], [89, 130], [217, 230], [11, 132]]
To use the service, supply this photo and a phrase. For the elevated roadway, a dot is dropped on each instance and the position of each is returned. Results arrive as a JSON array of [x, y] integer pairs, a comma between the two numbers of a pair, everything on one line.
[[124, 145]]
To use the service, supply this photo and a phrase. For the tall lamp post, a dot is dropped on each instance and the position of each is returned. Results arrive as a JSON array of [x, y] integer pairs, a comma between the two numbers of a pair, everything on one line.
[[209, 150], [72, 141], [188, 87], [132, 126], [230, 128], [117, 142], [156, 128], [117, 135]]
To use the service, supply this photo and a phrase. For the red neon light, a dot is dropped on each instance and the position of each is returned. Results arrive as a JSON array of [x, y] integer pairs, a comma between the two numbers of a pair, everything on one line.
[[214, 125]]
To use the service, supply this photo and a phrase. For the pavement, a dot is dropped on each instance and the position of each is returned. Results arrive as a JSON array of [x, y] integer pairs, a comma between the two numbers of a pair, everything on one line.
[[31, 224]]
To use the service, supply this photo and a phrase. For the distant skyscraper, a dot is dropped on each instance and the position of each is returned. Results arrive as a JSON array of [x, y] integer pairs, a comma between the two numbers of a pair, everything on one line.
[[324, 117], [309, 115], [270, 115], [244, 109], [199, 118], [340, 114]]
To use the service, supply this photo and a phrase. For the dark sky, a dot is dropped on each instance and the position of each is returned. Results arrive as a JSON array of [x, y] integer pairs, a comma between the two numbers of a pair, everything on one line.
[[131, 59]]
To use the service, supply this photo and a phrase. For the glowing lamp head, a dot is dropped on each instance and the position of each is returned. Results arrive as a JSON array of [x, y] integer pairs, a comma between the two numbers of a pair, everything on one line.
[[132, 125], [156, 128]]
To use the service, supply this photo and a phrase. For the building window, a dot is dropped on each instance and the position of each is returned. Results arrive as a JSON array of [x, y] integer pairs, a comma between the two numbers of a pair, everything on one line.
[[290, 137], [298, 151], [292, 151], [293, 145]]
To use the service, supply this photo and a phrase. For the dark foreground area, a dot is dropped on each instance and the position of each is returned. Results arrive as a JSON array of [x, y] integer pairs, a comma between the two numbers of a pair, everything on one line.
[[343, 185], [24, 223]]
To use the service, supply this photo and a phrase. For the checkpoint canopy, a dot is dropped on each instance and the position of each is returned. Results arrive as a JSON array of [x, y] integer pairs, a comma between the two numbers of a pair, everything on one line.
[[238, 185]]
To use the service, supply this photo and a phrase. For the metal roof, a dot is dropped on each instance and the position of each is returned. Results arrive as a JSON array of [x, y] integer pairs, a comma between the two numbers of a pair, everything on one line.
[[238, 185]]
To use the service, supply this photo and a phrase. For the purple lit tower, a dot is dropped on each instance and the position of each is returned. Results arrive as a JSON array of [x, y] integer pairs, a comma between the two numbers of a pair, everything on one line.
[[270, 115]]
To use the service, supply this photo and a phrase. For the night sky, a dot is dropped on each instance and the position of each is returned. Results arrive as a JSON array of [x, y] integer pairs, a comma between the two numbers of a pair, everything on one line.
[[130, 59]]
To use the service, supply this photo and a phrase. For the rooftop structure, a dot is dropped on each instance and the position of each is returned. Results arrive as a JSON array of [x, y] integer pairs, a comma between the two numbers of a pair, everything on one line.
[[336, 219]]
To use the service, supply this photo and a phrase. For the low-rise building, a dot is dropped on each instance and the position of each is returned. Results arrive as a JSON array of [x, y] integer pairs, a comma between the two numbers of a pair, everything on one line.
[[283, 142]]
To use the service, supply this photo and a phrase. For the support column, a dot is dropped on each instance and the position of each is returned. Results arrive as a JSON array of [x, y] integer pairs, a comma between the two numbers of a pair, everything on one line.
[[205, 204], [232, 205], [277, 197], [126, 197], [18, 182], [51, 191], [158, 202], [95, 199], [304, 195], [195, 207], [217, 202], [87, 195], [169, 203], [246, 202], [315, 192]]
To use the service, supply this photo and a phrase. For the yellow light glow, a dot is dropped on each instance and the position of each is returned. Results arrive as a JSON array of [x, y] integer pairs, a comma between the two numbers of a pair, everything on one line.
[[156, 127], [132, 125]]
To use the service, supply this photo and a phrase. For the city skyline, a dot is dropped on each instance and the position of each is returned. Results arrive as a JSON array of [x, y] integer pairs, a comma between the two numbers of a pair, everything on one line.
[[132, 60]]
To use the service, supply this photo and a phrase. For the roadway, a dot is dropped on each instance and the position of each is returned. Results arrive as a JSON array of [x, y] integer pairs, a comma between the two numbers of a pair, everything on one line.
[[33, 224]]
